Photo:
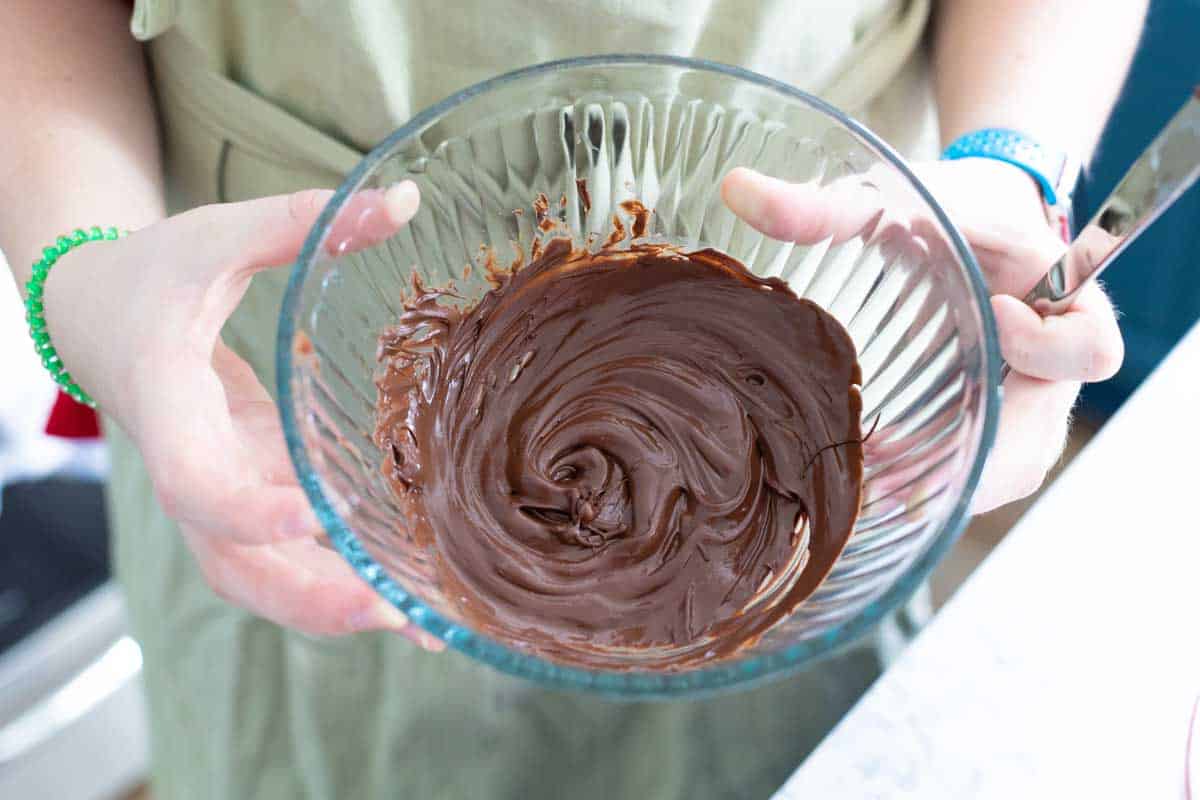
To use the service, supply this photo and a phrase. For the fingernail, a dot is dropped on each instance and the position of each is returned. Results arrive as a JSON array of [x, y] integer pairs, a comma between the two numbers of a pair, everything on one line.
[[382, 615], [401, 202], [370, 227], [425, 640]]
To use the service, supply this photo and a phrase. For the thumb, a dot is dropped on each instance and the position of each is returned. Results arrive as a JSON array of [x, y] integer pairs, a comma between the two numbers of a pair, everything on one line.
[[805, 213], [270, 231], [370, 216], [247, 237]]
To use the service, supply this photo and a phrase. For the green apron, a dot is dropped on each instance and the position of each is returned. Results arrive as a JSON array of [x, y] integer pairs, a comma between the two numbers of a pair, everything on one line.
[[259, 97]]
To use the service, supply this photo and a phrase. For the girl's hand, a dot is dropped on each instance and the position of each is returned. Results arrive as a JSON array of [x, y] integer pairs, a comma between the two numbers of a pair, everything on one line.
[[137, 322], [998, 209]]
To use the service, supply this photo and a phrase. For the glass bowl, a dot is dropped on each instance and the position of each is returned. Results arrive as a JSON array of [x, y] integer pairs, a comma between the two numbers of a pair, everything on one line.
[[665, 131]]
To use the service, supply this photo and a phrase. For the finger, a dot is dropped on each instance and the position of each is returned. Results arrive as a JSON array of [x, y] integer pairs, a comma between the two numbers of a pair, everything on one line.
[[276, 227], [204, 472], [805, 213], [1084, 344], [234, 477], [255, 416], [373, 215], [299, 585], [258, 422], [240, 239], [1034, 420], [1014, 259], [256, 234]]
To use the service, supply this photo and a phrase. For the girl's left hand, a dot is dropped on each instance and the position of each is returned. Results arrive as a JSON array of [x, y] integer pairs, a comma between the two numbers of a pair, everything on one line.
[[998, 209]]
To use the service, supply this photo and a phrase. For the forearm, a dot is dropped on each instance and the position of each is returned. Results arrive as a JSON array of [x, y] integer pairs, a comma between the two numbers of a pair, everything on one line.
[[1048, 68], [79, 146]]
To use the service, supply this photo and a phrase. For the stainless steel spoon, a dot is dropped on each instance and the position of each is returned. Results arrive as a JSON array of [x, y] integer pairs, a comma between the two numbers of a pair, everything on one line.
[[1157, 178]]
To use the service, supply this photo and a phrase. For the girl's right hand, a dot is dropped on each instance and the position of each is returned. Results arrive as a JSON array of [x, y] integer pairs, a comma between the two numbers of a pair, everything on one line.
[[999, 210], [137, 323]]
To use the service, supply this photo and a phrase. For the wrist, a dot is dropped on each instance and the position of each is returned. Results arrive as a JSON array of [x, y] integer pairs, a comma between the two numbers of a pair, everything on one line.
[[65, 315], [1053, 171], [1009, 188], [1013, 178]]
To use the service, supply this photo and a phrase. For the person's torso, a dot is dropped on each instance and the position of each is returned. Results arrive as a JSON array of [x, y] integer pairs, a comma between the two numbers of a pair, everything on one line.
[[356, 70]]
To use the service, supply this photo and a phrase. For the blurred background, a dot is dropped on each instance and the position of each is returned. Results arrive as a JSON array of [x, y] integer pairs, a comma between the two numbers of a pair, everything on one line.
[[69, 692]]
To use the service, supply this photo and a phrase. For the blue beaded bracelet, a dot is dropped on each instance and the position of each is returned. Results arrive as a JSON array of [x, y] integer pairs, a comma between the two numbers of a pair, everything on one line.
[[35, 311]]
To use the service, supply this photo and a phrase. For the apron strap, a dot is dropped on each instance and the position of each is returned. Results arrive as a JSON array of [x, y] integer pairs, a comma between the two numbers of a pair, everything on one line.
[[242, 118], [878, 55]]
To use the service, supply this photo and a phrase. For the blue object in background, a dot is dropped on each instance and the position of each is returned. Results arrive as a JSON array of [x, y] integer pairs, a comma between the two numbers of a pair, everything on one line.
[[1155, 284]]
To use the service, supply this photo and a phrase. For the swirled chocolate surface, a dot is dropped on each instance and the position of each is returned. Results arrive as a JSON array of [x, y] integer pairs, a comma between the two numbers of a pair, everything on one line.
[[635, 457]]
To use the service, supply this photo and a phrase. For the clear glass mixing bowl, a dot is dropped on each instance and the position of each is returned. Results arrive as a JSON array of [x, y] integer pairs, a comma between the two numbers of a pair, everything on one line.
[[663, 130]]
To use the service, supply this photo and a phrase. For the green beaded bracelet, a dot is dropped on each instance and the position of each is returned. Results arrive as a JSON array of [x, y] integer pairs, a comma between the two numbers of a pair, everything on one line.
[[35, 311]]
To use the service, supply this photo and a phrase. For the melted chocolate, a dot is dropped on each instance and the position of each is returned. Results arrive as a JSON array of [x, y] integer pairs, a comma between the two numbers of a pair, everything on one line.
[[623, 458]]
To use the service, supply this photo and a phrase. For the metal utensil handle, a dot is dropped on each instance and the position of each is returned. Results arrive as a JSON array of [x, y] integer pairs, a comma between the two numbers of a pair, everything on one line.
[[1164, 171]]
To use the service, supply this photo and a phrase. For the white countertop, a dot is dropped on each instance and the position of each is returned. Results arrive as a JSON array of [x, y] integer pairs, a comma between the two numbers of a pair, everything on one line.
[[1068, 665]]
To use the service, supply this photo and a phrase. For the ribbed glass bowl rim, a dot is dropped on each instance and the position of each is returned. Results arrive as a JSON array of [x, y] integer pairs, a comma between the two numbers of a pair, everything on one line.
[[633, 685]]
